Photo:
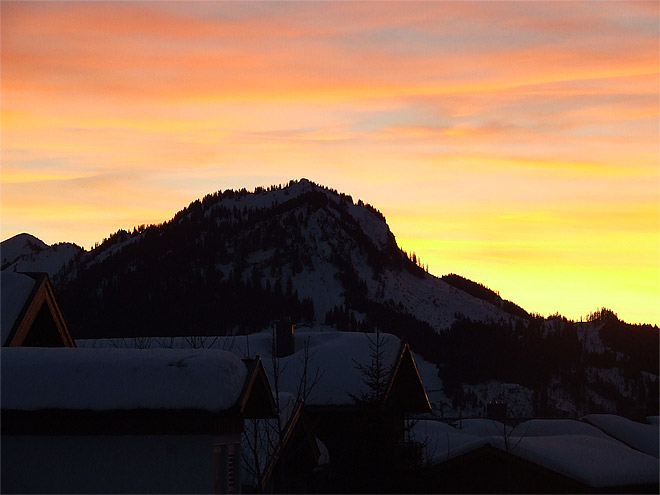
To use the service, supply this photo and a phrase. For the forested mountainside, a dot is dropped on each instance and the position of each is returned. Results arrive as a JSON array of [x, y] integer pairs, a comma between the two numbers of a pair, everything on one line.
[[236, 260]]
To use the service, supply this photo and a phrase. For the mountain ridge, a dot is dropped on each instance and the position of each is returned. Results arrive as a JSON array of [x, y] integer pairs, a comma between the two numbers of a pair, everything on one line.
[[307, 236], [29, 249], [233, 261]]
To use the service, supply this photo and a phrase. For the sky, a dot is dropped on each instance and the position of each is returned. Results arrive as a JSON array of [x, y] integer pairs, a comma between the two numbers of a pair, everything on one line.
[[513, 143]]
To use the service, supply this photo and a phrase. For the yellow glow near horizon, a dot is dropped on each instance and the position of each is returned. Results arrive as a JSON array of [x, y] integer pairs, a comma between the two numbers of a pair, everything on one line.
[[516, 144]]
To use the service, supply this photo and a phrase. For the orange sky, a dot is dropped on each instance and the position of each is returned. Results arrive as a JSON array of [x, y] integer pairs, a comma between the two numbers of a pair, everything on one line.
[[515, 143]]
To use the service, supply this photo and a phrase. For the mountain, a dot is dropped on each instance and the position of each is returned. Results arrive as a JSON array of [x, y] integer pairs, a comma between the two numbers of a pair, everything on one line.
[[236, 260], [26, 253]]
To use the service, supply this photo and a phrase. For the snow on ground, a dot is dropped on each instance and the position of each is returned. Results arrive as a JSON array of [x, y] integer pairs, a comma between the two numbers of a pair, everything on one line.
[[432, 300], [653, 420], [375, 228], [14, 292], [307, 284], [640, 436], [108, 379]]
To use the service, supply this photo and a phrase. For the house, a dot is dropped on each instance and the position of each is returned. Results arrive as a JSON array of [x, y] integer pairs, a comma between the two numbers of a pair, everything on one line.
[[361, 421], [538, 456], [290, 458], [31, 316], [127, 420], [357, 390]]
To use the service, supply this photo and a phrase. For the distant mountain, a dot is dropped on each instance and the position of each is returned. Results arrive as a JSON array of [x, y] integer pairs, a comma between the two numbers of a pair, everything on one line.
[[236, 260], [26, 253]]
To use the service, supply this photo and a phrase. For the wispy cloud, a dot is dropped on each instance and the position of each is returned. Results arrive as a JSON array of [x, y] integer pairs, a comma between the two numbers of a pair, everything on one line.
[[120, 113]]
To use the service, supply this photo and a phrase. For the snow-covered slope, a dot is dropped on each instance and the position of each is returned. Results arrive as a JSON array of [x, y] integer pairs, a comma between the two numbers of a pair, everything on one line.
[[26, 253], [20, 245], [371, 222], [304, 240]]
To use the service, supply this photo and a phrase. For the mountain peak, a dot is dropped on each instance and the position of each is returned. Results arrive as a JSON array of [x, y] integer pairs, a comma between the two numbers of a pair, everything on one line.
[[19, 245], [25, 252], [238, 259]]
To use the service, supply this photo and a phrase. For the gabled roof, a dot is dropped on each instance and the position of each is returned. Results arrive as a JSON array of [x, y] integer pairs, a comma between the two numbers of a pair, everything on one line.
[[256, 398], [298, 445], [143, 386], [406, 390], [31, 316]]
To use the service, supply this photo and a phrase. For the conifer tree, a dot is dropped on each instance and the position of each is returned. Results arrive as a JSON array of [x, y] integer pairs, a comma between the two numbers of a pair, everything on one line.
[[375, 375]]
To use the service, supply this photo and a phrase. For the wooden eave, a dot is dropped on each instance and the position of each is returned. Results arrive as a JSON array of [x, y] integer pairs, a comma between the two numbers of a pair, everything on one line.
[[256, 399], [406, 389], [296, 422], [42, 295]]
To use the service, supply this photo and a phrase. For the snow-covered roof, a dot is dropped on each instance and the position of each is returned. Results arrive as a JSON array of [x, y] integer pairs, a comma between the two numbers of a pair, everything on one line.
[[485, 428], [15, 289], [332, 357], [594, 461], [443, 442], [120, 379], [555, 427], [336, 357], [573, 449], [640, 436]]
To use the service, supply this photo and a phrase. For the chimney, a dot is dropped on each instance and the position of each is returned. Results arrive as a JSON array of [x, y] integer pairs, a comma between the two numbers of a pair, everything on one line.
[[284, 345]]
